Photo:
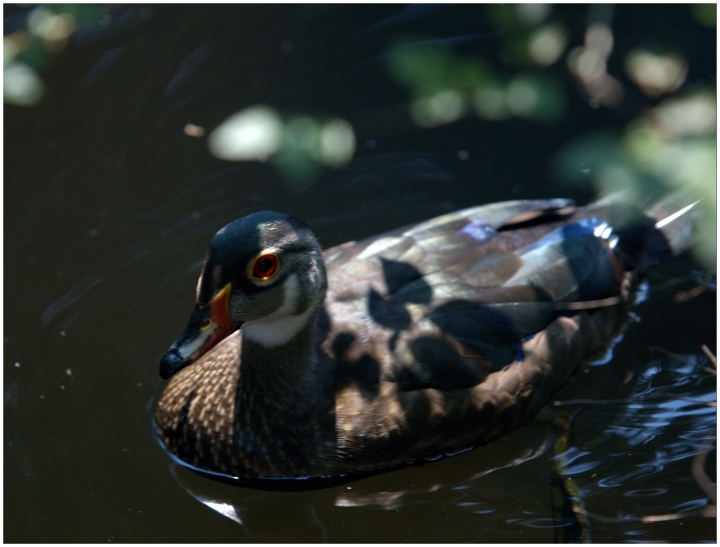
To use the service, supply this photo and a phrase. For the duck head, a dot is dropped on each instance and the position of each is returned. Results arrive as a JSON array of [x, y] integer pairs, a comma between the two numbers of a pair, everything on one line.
[[263, 273]]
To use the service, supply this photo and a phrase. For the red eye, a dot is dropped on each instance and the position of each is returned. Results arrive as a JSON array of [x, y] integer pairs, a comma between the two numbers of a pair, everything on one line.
[[205, 323], [264, 267]]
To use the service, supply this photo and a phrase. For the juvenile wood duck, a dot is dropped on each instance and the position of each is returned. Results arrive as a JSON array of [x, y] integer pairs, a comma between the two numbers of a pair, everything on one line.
[[427, 340]]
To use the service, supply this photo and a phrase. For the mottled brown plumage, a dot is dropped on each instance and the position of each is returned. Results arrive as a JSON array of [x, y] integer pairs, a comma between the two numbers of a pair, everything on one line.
[[424, 341]]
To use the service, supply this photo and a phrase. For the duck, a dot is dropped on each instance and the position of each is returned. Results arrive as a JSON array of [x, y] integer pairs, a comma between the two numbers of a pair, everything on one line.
[[422, 342]]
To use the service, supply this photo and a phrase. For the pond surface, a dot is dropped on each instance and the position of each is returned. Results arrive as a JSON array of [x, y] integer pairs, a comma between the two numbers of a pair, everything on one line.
[[110, 201]]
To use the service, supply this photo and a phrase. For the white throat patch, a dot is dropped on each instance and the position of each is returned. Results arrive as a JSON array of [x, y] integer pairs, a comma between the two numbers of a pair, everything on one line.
[[282, 325]]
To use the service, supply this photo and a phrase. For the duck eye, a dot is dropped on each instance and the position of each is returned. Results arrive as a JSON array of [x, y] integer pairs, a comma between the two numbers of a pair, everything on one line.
[[205, 324], [264, 267]]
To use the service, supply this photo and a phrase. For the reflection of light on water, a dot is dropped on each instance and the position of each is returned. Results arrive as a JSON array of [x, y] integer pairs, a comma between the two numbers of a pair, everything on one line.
[[192, 130], [642, 293], [644, 420], [522, 97], [589, 64], [489, 102], [386, 500], [248, 135], [599, 39], [193, 484], [444, 85], [443, 107], [605, 359], [547, 44], [48, 29], [656, 74], [535, 98], [21, 85], [303, 132], [337, 143], [503, 454], [645, 492], [13, 45], [693, 115], [52, 28], [669, 421], [225, 509], [258, 133], [532, 14]]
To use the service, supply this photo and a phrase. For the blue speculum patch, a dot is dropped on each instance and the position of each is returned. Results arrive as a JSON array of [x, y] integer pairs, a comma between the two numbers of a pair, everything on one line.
[[479, 230], [582, 227]]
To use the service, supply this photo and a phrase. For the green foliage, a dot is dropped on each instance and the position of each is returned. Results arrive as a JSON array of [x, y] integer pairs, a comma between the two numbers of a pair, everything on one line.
[[27, 52], [668, 148], [706, 14], [445, 86]]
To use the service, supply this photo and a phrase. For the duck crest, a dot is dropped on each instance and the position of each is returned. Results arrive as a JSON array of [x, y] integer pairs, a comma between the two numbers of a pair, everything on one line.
[[428, 340]]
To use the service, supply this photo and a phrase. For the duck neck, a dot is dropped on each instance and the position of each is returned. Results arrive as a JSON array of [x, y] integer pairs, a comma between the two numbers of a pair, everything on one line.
[[283, 402], [276, 374]]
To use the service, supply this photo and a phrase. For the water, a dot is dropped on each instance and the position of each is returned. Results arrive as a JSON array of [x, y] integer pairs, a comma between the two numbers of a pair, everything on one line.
[[110, 206]]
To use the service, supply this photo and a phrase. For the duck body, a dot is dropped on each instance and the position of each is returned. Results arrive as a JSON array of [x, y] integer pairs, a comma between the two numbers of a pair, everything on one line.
[[428, 340]]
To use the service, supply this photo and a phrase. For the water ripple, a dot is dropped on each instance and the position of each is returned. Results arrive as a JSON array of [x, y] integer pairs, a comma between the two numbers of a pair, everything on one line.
[[73, 295]]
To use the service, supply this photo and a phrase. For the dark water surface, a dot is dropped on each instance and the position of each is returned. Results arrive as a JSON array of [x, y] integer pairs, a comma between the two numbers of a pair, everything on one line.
[[109, 206]]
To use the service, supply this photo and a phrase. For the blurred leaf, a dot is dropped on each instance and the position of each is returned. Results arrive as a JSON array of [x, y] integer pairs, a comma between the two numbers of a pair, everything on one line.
[[600, 160], [422, 66], [532, 13], [81, 12], [518, 15], [48, 29], [673, 147], [656, 71], [466, 74], [35, 56], [502, 15], [296, 167], [580, 160], [516, 47], [706, 14], [489, 101], [21, 85], [535, 97], [547, 43]]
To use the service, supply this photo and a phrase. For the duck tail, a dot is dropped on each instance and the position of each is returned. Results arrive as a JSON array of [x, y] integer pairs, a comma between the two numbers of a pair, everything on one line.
[[658, 232], [675, 218]]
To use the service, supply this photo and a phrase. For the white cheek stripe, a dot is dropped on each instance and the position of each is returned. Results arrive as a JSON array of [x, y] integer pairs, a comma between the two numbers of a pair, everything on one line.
[[282, 325]]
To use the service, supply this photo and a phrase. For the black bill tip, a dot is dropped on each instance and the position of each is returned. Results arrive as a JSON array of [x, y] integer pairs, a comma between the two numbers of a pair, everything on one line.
[[171, 363]]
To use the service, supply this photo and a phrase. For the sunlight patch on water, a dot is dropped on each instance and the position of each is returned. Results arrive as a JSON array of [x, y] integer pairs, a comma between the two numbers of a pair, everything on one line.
[[225, 509], [656, 73], [21, 85], [296, 145], [249, 135]]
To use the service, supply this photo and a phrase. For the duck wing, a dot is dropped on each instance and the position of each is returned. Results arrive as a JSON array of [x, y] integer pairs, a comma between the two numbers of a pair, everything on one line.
[[444, 303]]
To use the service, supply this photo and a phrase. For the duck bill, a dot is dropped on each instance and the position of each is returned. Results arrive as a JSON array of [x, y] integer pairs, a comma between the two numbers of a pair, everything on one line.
[[208, 325]]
